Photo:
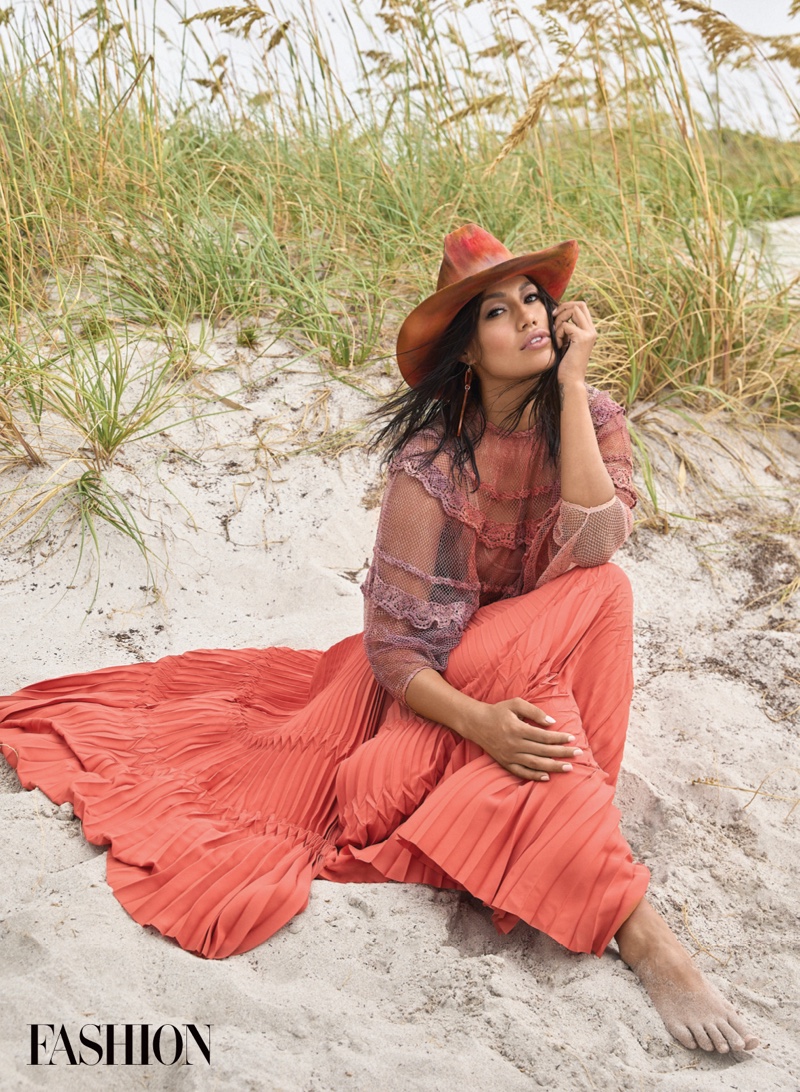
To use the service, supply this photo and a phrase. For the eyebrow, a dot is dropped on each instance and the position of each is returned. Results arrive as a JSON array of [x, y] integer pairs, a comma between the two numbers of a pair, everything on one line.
[[502, 295]]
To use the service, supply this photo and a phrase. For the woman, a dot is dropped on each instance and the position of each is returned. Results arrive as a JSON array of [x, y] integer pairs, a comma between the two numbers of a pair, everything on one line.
[[471, 737]]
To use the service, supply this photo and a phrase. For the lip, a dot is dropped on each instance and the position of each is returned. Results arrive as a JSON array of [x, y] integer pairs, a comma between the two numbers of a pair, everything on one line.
[[533, 335]]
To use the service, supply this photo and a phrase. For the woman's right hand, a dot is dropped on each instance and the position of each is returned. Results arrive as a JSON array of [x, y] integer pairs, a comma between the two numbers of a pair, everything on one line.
[[504, 730]]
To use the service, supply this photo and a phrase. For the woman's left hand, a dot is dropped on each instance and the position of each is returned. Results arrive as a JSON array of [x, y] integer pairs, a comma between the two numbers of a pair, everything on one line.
[[574, 327]]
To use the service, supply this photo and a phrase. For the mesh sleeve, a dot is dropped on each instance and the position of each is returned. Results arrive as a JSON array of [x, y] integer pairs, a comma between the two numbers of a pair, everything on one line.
[[421, 588], [583, 537]]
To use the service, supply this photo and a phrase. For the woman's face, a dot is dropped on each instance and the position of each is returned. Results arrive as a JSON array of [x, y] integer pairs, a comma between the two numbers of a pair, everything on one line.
[[512, 340]]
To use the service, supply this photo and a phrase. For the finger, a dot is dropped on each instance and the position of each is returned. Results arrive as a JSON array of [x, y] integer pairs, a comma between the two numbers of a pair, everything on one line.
[[574, 310], [566, 305], [543, 750], [569, 330], [524, 772], [530, 734], [539, 740], [528, 711], [541, 735], [546, 765], [575, 318]]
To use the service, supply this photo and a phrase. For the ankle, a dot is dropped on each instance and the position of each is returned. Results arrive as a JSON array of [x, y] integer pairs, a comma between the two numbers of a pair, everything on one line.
[[641, 932]]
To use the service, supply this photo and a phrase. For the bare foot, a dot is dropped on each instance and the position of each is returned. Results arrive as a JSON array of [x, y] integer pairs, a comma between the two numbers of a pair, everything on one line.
[[692, 1010]]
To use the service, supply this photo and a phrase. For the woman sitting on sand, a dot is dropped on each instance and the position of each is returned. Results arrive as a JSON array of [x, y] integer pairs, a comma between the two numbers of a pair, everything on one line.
[[471, 737]]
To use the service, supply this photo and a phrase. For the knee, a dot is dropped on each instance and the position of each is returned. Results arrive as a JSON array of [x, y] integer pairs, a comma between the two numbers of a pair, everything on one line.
[[615, 591], [617, 581]]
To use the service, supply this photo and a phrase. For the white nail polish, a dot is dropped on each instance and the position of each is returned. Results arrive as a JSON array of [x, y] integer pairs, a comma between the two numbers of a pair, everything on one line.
[[549, 720]]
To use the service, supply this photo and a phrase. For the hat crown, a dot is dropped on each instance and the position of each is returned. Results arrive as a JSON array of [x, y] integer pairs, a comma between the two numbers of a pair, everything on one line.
[[473, 260], [468, 250]]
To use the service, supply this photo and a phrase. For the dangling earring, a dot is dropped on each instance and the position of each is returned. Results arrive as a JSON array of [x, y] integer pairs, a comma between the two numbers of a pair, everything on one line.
[[467, 385]]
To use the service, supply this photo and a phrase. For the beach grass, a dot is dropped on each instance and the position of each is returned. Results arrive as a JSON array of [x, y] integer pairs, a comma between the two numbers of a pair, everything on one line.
[[315, 207]]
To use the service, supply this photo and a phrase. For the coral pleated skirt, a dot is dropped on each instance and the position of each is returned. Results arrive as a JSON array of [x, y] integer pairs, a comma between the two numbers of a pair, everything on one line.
[[226, 780]]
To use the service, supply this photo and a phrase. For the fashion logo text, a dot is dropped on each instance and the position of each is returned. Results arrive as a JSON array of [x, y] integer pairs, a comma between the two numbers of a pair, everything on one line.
[[120, 1044]]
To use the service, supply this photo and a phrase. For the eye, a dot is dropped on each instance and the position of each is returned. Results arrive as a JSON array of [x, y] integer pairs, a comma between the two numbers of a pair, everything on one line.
[[532, 295]]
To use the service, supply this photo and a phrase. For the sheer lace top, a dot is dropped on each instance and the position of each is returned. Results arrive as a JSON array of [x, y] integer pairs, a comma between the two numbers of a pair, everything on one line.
[[443, 549]]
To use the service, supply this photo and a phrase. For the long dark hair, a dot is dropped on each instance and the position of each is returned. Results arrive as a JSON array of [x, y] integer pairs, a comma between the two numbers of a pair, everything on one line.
[[436, 400]]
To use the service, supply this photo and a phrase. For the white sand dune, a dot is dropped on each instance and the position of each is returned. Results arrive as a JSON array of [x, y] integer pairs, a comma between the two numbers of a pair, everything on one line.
[[398, 987]]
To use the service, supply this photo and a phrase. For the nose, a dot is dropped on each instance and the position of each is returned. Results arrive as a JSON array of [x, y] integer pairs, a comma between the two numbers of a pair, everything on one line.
[[529, 315]]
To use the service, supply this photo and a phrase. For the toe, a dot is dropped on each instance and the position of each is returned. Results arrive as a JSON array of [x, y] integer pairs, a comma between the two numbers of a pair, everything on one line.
[[701, 1035], [684, 1036], [717, 1038], [735, 1040], [749, 1042]]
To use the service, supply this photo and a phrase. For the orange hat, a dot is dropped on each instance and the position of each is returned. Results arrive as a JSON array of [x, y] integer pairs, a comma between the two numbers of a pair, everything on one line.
[[473, 259]]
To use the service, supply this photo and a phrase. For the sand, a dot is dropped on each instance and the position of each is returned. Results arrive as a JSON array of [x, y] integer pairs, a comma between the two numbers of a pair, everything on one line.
[[399, 987]]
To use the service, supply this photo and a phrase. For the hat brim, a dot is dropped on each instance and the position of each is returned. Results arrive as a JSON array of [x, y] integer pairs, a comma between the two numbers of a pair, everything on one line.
[[551, 269]]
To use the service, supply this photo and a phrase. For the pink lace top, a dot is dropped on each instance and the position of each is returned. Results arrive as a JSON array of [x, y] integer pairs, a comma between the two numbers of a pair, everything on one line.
[[443, 549]]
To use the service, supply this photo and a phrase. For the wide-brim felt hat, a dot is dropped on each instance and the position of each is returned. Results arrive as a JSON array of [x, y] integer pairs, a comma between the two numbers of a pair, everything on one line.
[[473, 259]]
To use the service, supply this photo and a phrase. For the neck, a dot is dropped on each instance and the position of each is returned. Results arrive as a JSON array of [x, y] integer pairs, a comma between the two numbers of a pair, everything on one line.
[[501, 399]]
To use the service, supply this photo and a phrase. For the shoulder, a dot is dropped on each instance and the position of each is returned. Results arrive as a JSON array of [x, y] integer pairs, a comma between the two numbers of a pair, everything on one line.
[[422, 452], [421, 474], [603, 408]]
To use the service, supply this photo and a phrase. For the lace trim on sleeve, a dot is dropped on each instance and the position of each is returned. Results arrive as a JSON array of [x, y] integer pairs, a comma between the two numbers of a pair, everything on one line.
[[609, 419], [602, 406], [582, 508], [593, 534], [406, 566], [422, 615]]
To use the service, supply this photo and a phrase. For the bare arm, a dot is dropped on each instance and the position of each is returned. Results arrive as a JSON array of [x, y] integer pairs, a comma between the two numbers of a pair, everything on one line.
[[594, 512], [504, 730], [584, 478]]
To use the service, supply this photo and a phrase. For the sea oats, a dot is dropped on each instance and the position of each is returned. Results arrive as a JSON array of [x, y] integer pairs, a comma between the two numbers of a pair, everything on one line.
[[504, 47], [487, 103], [785, 48], [726, 40], [278, 35], [536, 103], [229, 16]]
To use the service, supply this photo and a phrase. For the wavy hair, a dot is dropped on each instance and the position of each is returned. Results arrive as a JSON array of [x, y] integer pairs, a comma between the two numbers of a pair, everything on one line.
[[436, 400]]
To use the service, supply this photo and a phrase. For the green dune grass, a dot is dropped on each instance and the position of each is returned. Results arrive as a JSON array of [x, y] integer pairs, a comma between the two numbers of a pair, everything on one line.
[[318, 210]]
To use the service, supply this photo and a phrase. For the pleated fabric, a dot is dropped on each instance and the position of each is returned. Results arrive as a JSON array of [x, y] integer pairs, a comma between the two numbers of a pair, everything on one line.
[[224, 781]]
